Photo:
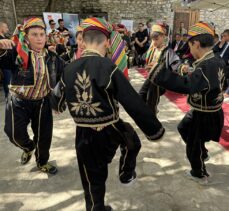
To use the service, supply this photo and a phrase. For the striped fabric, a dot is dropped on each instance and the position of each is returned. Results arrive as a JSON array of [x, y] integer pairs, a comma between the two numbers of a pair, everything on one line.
[[22, 46], [52, 38], [118, 53], [153, 54], [33, 22], [41, 87], [201, 28], [117, 49], [97, 24], [149, 55]]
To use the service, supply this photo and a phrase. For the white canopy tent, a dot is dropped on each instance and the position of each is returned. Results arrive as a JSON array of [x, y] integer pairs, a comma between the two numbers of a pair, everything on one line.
[[212, 5]]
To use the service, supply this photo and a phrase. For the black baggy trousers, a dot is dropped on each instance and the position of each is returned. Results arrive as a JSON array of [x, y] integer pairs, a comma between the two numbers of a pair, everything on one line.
[[95, 150], [18, 114]]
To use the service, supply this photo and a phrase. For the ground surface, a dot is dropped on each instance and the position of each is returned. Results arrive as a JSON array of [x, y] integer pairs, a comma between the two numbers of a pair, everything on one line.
[[161, 185]]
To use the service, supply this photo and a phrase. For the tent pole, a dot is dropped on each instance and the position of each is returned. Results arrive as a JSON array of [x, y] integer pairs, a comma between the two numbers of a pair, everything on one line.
[[15, 13]]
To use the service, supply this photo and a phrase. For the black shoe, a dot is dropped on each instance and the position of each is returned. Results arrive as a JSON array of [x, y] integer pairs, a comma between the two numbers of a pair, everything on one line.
[[128, 179], [206, 157], [201, 180], [48, 168], [206, 174], [25, 157], [108, 208]]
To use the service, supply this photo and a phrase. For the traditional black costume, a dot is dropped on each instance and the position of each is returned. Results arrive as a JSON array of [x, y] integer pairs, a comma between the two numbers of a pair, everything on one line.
[[205, 120], [92, 86], [28, 100]]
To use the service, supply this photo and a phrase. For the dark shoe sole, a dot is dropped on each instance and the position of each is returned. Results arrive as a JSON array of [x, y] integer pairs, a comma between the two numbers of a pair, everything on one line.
[[108, 208], [130, 181]]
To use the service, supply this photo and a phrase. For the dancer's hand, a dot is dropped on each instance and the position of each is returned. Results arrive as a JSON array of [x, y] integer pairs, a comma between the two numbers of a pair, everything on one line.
[[56, 112], [52, 48], [185, 68], [6, 44]]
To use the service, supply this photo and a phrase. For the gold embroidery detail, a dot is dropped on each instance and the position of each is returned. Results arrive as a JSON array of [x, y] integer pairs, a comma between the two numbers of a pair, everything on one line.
[[221, 81], [84, 106], [196, 97]]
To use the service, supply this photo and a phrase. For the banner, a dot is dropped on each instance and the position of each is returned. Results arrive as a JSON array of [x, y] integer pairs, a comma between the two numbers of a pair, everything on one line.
[[71, 21], [51, 16], [129, 24]]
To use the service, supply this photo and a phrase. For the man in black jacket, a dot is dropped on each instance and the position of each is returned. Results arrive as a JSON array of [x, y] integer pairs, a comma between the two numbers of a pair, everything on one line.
[[35, 72]]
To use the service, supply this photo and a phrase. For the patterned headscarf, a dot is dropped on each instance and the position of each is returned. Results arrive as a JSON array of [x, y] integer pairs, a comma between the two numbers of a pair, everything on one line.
[[53, 35], [22, 46], [117, 49], [158, 28], [201, 28]]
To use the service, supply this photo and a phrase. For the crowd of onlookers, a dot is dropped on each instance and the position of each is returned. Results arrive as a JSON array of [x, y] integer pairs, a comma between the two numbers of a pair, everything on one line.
[[60, 40]]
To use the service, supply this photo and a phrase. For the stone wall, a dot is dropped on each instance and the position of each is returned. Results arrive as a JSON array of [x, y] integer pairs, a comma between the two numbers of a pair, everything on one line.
[[7, 14], [139, 11], [220, 18], [26, 8]]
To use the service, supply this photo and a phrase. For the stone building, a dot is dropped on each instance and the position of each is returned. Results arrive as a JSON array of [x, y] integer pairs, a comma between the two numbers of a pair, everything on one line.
[[220, 18], [137, 10], [7, 13]]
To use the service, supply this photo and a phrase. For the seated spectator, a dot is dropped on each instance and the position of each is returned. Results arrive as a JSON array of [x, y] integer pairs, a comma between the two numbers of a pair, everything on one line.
[[177, 43], [184, 48], [184, 52]]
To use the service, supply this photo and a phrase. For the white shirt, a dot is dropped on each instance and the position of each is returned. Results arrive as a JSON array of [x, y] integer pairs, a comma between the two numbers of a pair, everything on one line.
[[224, 50]]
